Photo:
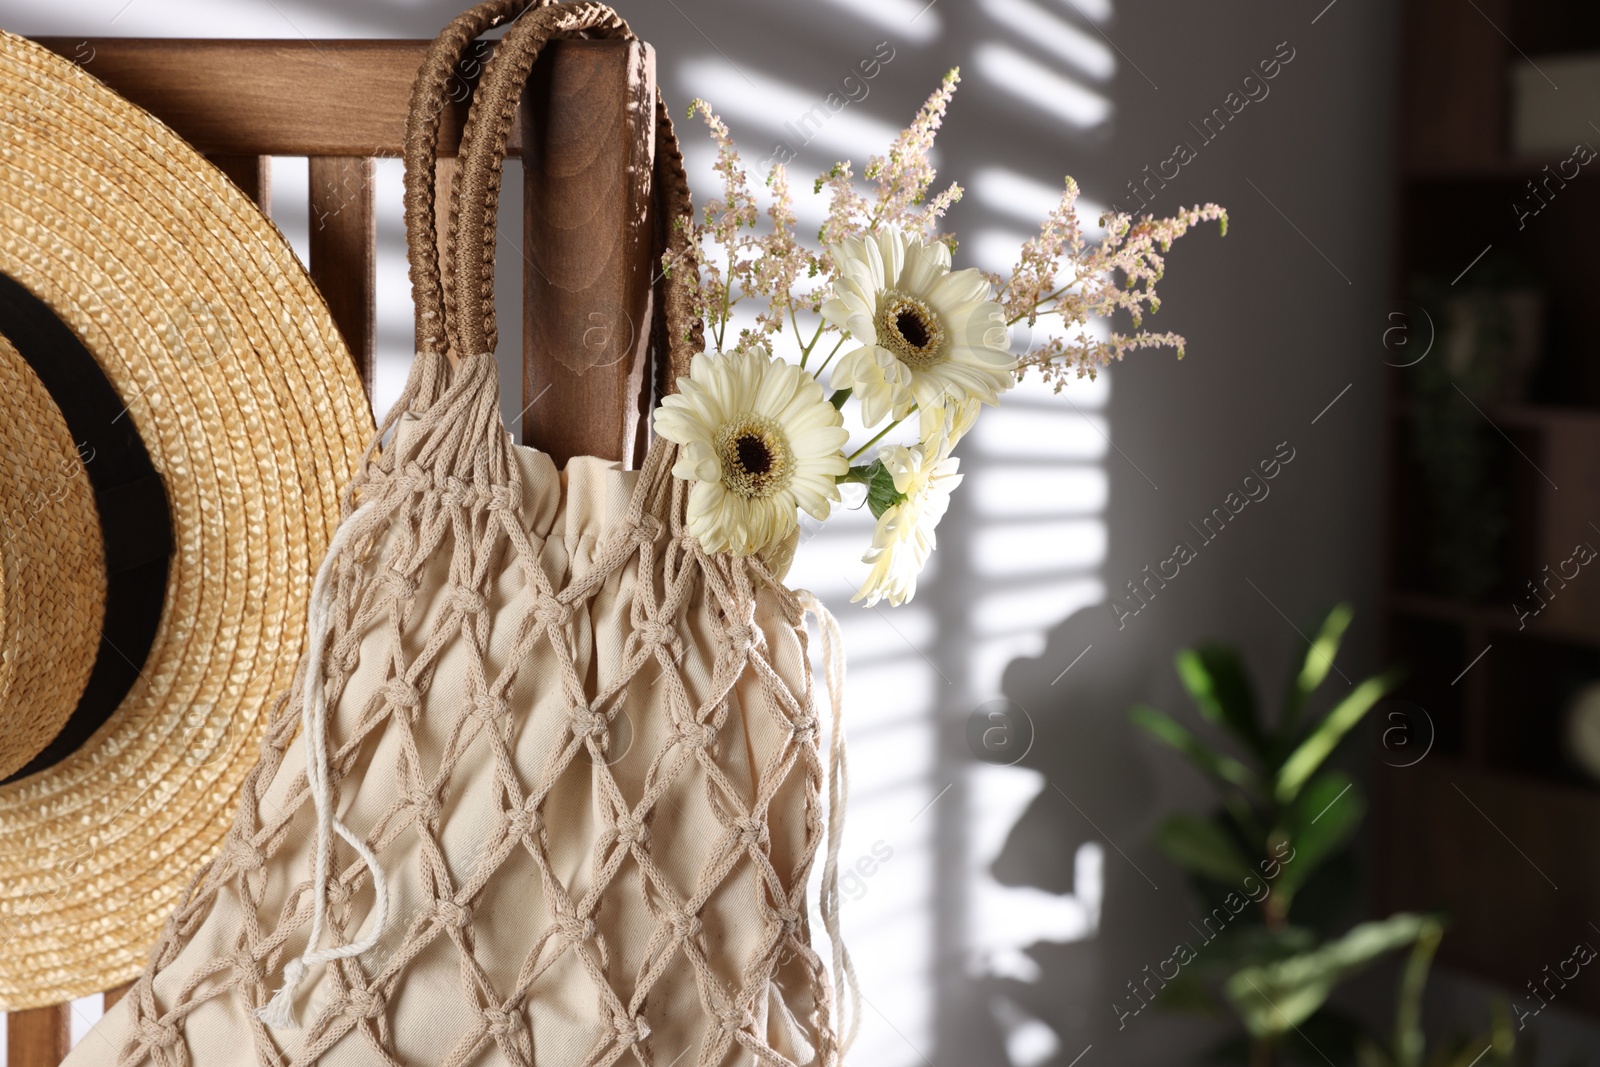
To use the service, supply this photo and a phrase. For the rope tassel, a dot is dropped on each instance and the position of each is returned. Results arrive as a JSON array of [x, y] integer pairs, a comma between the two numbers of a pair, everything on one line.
[[844, 971], [278, 1012]]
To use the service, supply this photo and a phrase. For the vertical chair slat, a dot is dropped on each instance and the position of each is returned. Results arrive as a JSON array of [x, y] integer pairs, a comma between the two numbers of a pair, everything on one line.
[[588, 141], [109, 998], [252, 174], [344, 238], [39, 1037], [444, 180]]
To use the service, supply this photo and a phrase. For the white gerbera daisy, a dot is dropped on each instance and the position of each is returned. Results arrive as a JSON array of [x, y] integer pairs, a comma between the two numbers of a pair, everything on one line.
[[758, 439], [923, 476], [926, 332]]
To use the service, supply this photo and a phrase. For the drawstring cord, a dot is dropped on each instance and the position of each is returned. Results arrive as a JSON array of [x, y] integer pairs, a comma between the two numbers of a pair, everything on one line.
[[844, 971], [278, 1013]]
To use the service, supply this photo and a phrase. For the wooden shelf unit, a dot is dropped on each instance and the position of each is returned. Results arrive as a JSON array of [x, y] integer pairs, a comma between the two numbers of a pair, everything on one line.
[[1488, 826]]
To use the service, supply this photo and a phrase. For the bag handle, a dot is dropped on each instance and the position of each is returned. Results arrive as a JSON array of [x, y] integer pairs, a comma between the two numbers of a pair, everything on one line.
[[430, 93], [476, 195]]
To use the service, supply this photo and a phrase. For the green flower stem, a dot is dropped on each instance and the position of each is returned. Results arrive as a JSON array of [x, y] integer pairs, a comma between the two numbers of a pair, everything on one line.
[[805, 352], [720, 327], [829, 360], [878, 437], [839, 397]]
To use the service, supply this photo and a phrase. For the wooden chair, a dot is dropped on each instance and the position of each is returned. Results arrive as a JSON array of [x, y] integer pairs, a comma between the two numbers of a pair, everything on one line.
[[585, 135]]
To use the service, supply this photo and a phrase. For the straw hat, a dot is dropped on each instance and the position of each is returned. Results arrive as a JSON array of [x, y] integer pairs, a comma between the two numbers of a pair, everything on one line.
[[177, 416]]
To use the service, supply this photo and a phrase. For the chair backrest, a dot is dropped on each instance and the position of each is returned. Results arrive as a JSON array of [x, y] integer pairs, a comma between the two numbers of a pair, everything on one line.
[[586, 127]]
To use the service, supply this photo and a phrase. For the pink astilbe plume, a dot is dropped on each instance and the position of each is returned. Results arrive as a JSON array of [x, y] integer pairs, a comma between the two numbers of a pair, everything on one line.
[[751, 253], [1059, 273], [723, 220], [900, 180], [740, 259]]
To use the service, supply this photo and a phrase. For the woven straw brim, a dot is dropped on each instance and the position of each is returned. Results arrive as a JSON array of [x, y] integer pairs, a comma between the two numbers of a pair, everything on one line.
[[247, 401], [52, 566]]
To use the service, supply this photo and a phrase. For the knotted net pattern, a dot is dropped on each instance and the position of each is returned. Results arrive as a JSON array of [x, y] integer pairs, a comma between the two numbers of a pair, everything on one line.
[[436, 533]]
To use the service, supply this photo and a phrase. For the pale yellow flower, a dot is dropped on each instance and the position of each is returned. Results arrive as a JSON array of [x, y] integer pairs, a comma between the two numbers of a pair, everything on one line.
[[924, 475], [925, 332], [758, 439]]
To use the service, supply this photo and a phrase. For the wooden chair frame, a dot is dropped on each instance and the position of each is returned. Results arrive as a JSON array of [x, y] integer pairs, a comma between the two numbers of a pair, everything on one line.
[[585, 134]]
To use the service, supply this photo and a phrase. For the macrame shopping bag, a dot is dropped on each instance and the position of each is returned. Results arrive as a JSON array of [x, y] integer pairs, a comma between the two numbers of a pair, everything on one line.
[[548, 788]]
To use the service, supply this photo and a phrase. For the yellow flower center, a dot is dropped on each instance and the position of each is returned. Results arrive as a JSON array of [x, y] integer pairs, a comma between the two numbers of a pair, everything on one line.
[[755, 456], [909, 328]]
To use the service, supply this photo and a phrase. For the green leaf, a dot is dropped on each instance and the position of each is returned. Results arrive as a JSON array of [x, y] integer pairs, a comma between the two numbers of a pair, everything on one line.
[[1327, 734], [1324, 648], [1202, 846], [1320, 821], [1501, 1035], [1241, 944], [1314, 667], [1220, 766], [881, 493], [1410, 1044], [1273, 998], [1215, 677], [861, 473]]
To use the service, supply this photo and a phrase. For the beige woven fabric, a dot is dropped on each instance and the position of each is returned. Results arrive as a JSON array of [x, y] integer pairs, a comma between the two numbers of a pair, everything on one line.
[[52, 596], [582, 752], [593, 794]]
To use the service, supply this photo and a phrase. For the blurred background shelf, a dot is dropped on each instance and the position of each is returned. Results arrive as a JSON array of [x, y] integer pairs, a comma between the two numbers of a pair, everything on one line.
[[1547, 417], [1487, 170], [1494, 485], [1495, 851], [1493, 620]]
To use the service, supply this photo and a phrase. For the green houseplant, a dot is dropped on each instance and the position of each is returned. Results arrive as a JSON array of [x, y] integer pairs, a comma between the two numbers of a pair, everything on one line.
[[1272, 944]]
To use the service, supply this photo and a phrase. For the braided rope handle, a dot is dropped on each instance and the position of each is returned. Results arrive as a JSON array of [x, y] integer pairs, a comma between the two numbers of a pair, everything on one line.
[[434, 279], [476, 195], [430, 94]]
